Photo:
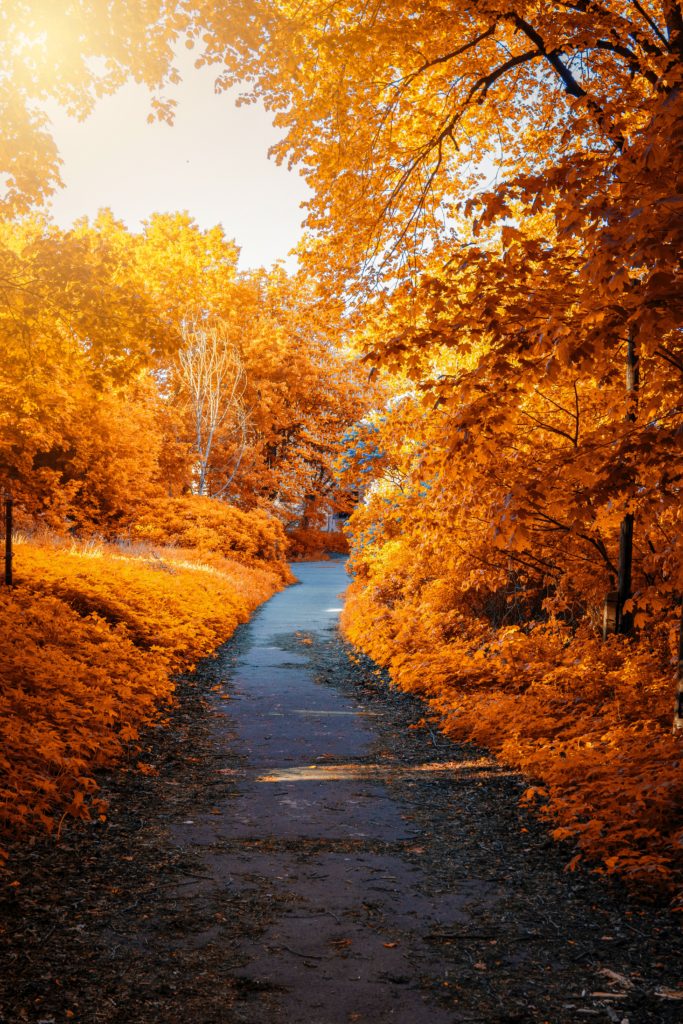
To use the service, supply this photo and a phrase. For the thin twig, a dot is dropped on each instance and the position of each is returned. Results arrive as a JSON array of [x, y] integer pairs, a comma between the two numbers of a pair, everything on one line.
[[305, 956]]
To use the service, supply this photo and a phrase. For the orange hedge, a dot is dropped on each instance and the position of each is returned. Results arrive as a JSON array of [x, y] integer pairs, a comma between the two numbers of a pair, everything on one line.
[[91, 637], [589, 721], [308, 545], [211, 528]]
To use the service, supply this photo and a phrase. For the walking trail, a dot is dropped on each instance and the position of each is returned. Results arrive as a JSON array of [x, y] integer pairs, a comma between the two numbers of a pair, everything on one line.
[[313, 795], [307, 855]]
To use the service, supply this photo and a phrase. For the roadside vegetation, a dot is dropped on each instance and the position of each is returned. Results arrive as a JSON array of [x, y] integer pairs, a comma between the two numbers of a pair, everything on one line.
[[93, 635]]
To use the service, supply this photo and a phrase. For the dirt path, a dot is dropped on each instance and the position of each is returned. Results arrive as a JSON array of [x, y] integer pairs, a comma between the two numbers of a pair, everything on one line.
[[304, 856]]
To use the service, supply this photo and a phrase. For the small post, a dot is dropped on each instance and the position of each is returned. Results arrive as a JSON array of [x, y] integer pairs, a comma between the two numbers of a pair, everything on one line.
[[624, 620], [609, 614], [8, 541]]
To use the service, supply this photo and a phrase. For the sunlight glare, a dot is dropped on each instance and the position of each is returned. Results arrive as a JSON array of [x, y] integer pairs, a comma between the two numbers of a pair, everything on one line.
[[483, 768]]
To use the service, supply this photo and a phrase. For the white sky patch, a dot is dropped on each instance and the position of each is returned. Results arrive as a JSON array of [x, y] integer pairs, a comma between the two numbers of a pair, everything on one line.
[[213, 163]]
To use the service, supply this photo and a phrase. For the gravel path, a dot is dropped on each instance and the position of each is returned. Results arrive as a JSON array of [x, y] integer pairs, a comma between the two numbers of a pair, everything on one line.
[[305, 854]]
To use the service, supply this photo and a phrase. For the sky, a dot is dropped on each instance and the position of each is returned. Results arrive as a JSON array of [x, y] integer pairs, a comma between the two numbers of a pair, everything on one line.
[[213, 162]]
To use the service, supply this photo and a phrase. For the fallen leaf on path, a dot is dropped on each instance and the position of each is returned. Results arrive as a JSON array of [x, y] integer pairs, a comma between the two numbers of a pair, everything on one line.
[[617, 979], [390, 945], [669, 993]]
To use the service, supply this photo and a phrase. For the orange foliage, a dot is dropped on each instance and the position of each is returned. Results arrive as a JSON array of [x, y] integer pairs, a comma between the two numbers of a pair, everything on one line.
[[305, 545], [495, 213], [296, 394], [92, 637], [214, 529], [52, 51], [496, 194], [92, 321], [589, 721]]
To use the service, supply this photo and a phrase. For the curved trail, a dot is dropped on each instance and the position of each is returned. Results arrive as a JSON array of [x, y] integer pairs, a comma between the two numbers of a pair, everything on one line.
[[403, 883], [310, 810]]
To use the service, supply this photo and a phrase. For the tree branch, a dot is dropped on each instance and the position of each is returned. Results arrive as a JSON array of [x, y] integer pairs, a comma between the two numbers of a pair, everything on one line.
[[449, 56], [651, 22], [664, 353], [552, 56], [631, 57], [598, 544], [486, 81], [576, 401], [548, 427]]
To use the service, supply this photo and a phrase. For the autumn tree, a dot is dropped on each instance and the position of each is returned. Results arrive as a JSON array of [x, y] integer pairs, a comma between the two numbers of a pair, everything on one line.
[[304, 391], [399, 114], [496, 189], [187, 270], [100, 339], [396, 112], [76, 394], [213, 379]]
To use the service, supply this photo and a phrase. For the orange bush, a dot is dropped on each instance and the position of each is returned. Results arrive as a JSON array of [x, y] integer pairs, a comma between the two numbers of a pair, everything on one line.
[[92, 637], [305, 545], [588, 720], [211, 529]]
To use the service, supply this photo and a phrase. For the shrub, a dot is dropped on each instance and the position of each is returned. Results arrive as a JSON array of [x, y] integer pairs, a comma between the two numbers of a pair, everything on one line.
[[91, 639]]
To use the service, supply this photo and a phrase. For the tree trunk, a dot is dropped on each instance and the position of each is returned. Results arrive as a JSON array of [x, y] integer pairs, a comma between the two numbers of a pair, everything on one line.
[[624, 620], [8, 542]]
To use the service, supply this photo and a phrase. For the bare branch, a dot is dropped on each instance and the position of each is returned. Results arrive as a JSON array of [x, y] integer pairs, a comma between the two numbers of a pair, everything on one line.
[[213, 378]]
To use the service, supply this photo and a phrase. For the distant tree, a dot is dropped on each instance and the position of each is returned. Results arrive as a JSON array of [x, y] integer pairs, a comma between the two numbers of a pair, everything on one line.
[[213, 381]]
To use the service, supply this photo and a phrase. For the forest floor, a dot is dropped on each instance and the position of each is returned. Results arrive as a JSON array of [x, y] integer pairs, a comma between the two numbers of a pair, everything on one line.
[[304, 853]]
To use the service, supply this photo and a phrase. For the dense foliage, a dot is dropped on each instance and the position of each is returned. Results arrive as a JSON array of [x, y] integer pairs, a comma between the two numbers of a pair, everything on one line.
[[92, 636], [94, 326], [99, 440], [103, 431]]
